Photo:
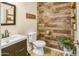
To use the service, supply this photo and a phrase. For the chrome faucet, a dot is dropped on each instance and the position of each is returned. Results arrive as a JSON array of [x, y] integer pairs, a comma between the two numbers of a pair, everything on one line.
[[6, 34]]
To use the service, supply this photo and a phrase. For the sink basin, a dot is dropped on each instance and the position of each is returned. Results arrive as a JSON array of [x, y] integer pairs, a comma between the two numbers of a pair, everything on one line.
[[11, 40]]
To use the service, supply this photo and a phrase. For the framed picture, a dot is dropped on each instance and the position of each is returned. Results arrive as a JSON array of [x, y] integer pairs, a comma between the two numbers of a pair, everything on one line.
[[30, 16]]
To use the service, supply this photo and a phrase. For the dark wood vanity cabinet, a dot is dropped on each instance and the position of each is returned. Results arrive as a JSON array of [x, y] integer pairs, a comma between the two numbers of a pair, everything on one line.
[[17, 49]]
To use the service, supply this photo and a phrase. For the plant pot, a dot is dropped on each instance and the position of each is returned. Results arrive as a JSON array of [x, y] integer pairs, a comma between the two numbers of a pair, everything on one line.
[[67, 52]]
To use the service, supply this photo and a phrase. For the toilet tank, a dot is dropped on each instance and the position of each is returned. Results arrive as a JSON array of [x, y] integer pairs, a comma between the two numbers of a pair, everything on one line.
[[31, 36]]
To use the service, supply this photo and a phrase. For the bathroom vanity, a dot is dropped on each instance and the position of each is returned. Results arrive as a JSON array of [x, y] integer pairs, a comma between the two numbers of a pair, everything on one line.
[[16, 47]]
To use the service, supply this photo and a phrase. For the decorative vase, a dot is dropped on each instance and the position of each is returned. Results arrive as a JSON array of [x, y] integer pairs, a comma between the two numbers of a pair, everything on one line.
[[67, 52]]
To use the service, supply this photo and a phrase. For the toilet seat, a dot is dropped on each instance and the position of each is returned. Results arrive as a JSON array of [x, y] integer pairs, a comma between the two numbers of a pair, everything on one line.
[[39, 43]]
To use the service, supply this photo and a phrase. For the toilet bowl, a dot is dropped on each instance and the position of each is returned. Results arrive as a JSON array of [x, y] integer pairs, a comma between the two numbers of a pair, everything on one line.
[[39, 47]]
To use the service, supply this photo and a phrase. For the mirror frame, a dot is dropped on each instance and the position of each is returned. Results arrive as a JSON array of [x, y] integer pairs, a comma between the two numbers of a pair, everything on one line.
[[14, 21]]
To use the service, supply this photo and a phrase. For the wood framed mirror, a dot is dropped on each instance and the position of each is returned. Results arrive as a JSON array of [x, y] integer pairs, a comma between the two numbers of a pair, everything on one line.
[[8, 13]]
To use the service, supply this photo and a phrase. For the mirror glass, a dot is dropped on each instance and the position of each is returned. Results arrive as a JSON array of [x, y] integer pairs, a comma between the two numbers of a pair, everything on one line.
[[7, 14]]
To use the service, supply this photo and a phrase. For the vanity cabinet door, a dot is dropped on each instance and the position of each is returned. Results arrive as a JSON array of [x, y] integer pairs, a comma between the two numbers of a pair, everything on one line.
[[21, 52], [8, 51], [21, 48]]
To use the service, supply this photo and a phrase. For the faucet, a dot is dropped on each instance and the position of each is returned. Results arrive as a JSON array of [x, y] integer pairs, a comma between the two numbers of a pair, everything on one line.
[[6, 34]]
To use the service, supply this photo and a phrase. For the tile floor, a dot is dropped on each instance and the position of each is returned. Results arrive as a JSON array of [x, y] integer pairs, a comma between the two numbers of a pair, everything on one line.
[[50, 52]]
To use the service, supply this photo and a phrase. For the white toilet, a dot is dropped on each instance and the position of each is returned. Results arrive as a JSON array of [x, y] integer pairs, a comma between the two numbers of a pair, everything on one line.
[[38, 45]]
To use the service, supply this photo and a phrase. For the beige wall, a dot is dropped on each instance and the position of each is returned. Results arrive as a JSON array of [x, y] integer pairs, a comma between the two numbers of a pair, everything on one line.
[[23, 25], [77, 33]]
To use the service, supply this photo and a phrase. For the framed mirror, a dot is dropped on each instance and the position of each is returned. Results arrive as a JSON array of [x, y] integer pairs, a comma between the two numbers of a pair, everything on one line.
[[8, 13]]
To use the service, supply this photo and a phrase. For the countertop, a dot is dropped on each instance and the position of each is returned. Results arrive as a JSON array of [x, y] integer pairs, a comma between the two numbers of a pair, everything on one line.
[[20, 38]]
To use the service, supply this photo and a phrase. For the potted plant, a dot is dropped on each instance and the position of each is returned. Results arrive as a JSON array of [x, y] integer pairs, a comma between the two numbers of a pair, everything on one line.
[[67, 44]]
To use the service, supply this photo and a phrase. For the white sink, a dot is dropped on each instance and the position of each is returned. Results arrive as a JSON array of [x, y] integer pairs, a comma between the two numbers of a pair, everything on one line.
[[5, 42]]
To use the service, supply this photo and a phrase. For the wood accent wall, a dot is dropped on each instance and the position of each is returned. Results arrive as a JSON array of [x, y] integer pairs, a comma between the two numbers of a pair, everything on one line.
[[55, 19]]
